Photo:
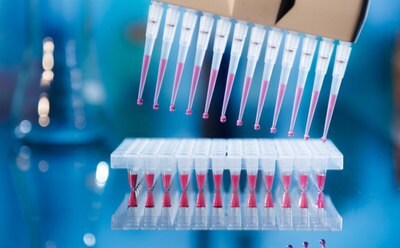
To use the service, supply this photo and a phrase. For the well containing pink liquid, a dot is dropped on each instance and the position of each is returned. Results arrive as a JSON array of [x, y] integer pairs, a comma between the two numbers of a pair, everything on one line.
[[149, 200], [320, 181], [217, 202], [268, 200], [269, 180], [286, 202], [320, 200], [200, 201], [166, 202], [235, 178], [132, 202], [166, 180], [217, 181], [149, 180], [252, 178], [252, 200], [200, 178], [303, 181], [184, 202], [184, 179], [303, 203], [286, 181], [132, 178], [235, 201]]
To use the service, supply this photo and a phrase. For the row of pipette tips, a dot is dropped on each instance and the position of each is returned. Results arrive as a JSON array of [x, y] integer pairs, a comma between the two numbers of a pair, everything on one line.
[[256, 40]]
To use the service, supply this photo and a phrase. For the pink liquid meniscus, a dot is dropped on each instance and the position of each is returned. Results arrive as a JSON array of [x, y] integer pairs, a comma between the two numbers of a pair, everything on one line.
[[184, 179], [320, 200], [286, 202], [268, 200], [329, 113], [200, 201], [303, 181], [269, 179], [297, 100], [210, 91], [311, 111], [166, 202], [143, 76], [286, 181], [320, 181], [184, 202], [243, 102], [132, 180], [200, 178], [166, 180], [252, 200], [149, 180], [227, 95], [149, 200], [193, 88], [261, 101], [132, 203], [217, 202], [160, 77], [177, 81], [252, 181], [278, 105], [303, 203], [235, 201], [235, 178], [217, 181]]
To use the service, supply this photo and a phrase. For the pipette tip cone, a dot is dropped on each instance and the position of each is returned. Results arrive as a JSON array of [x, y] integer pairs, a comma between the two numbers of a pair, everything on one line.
[[156, 106], [222, 119], [322, 242], [239, 123], [188, 111], [306, 136], [172, 108], [290, 133], [139, 101], [323, 139], [272, 129], [205, 115], [257, 126]]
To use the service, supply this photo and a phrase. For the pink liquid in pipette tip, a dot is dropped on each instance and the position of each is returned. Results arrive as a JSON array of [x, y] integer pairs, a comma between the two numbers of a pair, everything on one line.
[[321, 181], [261, 101], [177, 81], [200, 201], [252, 181], [210, 91], [149, 200], [184, 179], [297, 100], [235, 178], [132, 203], [268, 200], [278, 105], [320, 200], [245, 95], [269, 179], [160, 77], [227, 94], [143, 76], [286, 202], [235, 201], [166, 180], [132, 180], [331, 107], [184, 201], [166, 202], [303, 203], [311, 111], [303, 180], [252, 200], [149, 180], [193, 87], [217, 181], [217, 202], [286, 181], [200, 178]]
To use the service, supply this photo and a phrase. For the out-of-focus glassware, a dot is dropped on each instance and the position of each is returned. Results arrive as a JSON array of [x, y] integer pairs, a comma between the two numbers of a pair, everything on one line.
[[59, 97]]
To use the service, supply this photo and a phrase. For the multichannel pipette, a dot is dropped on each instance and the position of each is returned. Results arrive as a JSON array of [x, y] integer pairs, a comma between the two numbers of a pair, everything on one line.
[[188, 24], [289, 53], [221, 37], [271, 53], [343, 51], [256, 41], [153, 25], [239, 37], [307, 55], [171, 20], [324, 57], [205, 27]]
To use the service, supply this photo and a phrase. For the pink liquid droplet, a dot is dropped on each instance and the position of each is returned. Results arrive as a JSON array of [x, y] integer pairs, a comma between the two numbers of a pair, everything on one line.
[[243, 102], [166, 202], [320, 200], [149, 200], [286, 181], [143, 76], [184, 179], [252, 181], [268, 200], [331, 107], [184, 202], [278, 105], [311, 111], [217, 181], [149, 180], [200, 202], [296, 105], [269, 179], [235, 201], [303, 181], [261, 101], [217, 202], [160, 77], [303, 203], [286, 202], [177, 81], [132, 203], [235, 178], [252, 200], [166, 179], [200, 178], [227, 95], [210, 90], [132, 178], [321, 181], [193, 88]]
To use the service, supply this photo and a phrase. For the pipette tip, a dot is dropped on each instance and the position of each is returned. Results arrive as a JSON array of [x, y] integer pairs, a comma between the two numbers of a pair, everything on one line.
[[306, 136], [172, 108], [239, 123], [305, 244], [257, 127], [188, 112], [290, 133], [322, 243], [156, 106], [205, 115], [222, 119], [139, 102], [273, 130], [323, 139]]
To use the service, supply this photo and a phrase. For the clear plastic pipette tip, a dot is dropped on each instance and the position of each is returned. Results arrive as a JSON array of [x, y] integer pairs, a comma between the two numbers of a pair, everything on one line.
[[239, 37], [153, 25], [291, 45], [205, 27], [253, 54], [221, 37], [171, 21], [271, 53], [188, 25]]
